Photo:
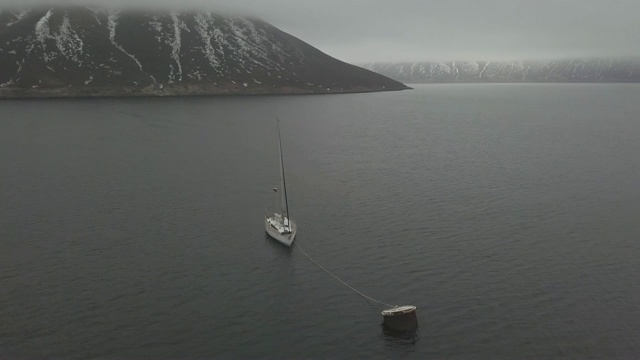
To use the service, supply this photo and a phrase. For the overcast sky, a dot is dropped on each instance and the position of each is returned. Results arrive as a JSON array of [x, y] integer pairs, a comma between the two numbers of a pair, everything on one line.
[[421, 30]]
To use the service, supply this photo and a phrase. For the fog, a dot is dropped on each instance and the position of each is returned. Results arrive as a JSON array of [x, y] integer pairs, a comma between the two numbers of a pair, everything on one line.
[[426, 30]]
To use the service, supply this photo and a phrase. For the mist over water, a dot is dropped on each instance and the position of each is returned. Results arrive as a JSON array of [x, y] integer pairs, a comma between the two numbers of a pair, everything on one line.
[[506, 213]]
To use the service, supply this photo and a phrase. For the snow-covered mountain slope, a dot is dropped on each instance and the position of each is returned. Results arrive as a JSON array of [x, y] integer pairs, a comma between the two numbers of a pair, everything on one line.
[[576, 70], [84, 51]]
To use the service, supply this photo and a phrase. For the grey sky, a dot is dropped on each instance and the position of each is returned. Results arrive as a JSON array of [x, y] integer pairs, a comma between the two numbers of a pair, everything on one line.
[[414, 30]]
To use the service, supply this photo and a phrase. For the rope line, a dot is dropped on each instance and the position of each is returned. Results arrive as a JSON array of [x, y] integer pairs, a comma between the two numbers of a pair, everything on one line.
[[337, 278]]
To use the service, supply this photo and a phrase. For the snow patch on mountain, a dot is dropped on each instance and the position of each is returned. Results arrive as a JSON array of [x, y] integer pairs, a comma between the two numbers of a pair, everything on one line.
[[205, 28], [483, 69], [8, 83], [112, 23], [571, 70], [42, 26], [176, 45], [156, 25], [96, 13], [250, 44], [19, 15], [66, 39]]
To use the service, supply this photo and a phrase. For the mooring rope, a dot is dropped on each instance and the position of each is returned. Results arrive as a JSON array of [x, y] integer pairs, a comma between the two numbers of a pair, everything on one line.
[[297, 243]]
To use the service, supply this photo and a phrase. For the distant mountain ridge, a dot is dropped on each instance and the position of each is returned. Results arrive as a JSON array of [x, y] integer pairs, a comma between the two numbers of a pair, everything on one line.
[[86, 51], [572, 70]]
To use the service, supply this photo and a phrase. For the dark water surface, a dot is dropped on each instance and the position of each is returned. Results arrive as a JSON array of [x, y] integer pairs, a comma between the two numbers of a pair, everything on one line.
[[510, 214]]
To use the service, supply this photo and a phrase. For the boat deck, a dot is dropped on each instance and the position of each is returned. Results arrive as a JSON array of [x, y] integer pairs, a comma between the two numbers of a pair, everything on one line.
[[275, 221]]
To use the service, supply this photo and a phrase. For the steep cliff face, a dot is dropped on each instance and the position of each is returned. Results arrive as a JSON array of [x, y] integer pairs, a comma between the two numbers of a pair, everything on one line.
[[83, 51], [577, 70]]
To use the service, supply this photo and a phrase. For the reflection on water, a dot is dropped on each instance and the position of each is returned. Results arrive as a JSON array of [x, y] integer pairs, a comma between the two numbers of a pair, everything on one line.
[[278, 253], [400, 340]]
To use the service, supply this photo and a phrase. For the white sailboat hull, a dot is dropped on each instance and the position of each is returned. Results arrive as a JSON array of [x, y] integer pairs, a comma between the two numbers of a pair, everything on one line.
[[279, 225], [285, 235]]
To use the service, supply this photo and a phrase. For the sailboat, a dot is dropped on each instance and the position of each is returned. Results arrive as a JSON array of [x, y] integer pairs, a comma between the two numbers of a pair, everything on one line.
[[279, 225]]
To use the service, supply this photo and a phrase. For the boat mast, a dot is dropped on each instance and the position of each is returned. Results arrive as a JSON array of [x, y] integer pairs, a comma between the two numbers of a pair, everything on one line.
[[284, 183]]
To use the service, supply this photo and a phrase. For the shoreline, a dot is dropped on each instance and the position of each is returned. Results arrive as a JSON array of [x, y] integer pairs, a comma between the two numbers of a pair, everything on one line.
[[9, 93]]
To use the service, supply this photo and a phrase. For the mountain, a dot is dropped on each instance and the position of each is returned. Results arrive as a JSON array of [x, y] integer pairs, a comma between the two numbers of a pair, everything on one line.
[[86, 51], [573, 70]]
